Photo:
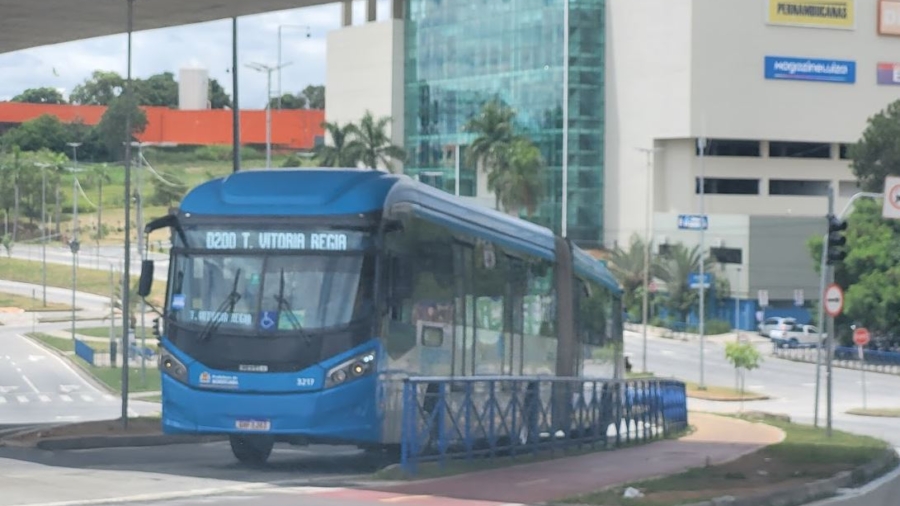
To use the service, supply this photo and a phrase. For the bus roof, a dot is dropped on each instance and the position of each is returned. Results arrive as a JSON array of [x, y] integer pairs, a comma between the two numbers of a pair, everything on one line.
[[336, 192], [291, 192]]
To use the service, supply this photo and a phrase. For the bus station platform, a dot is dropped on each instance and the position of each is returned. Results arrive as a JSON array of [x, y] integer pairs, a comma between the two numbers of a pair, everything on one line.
[[714, 440]]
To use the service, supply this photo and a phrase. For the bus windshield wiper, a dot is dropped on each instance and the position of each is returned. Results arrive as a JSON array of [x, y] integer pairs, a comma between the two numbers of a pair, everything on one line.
[[227, 305], [284, 306]]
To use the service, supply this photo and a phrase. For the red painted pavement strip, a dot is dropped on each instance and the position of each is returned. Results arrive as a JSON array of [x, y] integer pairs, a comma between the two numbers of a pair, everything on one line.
[[716, 440], [383, 498]]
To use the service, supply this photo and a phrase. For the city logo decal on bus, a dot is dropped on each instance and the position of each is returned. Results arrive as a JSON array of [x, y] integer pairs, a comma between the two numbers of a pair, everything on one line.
[[218, 380], [326, 241]]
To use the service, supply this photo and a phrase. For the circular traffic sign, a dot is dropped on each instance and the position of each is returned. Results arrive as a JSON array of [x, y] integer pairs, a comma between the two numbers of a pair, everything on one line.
[[834, 300], [861, 336], [894, 196]]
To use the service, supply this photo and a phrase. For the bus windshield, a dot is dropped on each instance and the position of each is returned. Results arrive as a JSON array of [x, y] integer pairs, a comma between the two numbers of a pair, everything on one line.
[[258, 294]]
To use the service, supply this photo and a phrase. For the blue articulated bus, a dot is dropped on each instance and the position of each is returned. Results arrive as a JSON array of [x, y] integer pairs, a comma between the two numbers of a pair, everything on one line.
[[298, 300]]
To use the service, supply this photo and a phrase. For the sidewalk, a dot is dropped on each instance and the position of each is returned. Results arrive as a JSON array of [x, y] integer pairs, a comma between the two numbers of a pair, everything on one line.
[[716, 440]]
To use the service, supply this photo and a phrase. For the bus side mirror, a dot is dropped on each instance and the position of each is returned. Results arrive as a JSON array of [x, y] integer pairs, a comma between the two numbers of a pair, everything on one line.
[[146, 280]]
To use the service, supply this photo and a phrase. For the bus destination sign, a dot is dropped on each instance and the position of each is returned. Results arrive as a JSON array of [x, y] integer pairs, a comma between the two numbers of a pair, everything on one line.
[[278, 240]]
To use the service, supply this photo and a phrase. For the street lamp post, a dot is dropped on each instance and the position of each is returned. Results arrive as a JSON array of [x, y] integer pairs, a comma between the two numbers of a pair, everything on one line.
[[308, 35], [268, 69], [645, 309], [43, 167], [73, 245]]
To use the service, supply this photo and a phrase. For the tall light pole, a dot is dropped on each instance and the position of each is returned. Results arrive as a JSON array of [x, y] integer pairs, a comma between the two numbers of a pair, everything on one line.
[[43, 167], [564, 228], [268, 69], [645, 311], [73, 245], [126, 277], [308, 35], [701, 143]]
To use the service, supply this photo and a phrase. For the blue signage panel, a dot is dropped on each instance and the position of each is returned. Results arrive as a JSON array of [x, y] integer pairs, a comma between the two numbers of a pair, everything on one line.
[[693, 221], [694, 280], [810, 69]]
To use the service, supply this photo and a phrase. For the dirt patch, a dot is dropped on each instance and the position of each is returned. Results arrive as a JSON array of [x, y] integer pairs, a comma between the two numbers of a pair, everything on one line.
[[717, 393], [136, 427]]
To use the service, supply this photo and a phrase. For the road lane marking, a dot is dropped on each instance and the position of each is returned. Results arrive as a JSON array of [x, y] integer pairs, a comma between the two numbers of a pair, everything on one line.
[[87, 398], [65, 398], [109, 397], [44, 398], [2, 400], [404, 498], [31, 384], [59, 359], [22, 399]]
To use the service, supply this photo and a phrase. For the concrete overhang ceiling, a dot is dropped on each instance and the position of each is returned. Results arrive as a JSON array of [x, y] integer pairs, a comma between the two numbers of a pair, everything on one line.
[[32, 23]]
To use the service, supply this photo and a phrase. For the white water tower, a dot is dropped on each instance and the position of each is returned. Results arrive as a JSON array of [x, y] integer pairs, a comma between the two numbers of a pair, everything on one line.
[[193, 89]]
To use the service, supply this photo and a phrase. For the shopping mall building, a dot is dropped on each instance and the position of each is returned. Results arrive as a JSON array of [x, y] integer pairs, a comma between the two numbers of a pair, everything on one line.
[[778, 89]]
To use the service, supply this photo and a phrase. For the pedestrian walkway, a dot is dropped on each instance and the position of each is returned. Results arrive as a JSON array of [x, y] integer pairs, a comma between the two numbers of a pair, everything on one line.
[[716, 440]]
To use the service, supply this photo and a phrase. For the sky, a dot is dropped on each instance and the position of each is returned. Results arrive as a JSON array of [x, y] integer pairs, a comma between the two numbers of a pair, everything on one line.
[[207, 45]]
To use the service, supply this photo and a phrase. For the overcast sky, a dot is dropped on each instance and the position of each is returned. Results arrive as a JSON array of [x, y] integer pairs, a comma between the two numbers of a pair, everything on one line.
[[207, 45]]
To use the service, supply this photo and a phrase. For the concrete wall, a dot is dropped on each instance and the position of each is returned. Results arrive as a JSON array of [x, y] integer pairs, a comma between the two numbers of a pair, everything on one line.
[[364, 71]]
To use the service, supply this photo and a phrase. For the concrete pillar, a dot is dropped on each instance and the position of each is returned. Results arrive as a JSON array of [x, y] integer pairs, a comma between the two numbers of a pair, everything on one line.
[[347, 13], [371, 13], [397, 9]]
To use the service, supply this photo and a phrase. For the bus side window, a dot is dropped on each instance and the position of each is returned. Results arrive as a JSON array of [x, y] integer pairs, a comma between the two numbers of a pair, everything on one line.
[[400, 284]]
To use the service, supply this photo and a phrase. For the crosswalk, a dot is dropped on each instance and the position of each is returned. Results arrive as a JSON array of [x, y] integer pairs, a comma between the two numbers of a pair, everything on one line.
[[47, 398]]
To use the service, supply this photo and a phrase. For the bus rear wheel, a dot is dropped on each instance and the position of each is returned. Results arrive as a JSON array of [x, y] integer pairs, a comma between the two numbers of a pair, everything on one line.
[[253, 450]]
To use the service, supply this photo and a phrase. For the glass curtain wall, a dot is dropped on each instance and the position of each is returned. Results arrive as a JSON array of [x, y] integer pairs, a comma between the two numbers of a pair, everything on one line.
[[461, 54]]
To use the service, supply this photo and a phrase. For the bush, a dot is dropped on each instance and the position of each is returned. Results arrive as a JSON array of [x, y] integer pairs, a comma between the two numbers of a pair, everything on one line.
[[715, 327]]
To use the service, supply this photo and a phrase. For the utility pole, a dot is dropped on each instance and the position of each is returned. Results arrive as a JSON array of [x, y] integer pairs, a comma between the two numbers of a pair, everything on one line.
[[268, 69], [823, 282], [564, 227], [126, 272], [702, 288], [74, 241], [235, 109], [308, 35], [645, 310]]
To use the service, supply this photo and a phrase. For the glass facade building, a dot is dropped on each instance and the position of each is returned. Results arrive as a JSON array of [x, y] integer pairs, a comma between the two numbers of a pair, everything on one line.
[[460, 54]]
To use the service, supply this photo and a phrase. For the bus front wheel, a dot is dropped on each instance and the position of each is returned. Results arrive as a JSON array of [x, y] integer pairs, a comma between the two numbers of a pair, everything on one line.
[[251, 449]]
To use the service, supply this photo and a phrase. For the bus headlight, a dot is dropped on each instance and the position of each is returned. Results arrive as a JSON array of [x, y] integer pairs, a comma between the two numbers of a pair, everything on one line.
[[170, 365], [351, 369]]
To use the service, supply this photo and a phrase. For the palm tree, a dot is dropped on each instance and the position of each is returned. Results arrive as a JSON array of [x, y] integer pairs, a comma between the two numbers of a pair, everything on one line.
[[627, 265], [675, 270], [494, 129], [99, 175], [343, 151], [517, 180], [374, 144]]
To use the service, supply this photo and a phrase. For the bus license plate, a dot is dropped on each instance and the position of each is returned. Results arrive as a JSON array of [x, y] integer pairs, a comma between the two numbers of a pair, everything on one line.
[[258, 425]]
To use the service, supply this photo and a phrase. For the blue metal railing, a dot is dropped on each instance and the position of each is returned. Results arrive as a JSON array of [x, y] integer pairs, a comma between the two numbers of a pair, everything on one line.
[[875, 357], [483, 417]]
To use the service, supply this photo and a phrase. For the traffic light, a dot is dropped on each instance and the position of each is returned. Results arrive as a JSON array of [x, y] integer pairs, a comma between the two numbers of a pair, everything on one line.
[[155, 329], [836, 241]]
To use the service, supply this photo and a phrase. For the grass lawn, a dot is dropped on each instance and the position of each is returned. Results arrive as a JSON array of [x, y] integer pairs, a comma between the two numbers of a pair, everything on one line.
[[30, 304], [148, 381], [58, 275], [805, 455], [879, 412], [717, 393]]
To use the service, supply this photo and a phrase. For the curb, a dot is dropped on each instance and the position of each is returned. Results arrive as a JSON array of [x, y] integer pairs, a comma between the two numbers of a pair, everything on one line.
[[94, 442]]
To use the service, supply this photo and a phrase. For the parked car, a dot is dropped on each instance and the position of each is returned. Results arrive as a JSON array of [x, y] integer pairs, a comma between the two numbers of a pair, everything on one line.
[[795, 336], [774, 322]]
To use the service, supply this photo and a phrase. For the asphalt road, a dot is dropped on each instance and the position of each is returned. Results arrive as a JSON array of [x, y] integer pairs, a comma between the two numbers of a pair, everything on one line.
[[791, 385], [38, 386], [89, 258]]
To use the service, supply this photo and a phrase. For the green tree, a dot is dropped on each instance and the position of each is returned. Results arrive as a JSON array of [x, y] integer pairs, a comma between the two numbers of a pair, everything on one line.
[[493, 128], [43, 132], [167, 190], [315, 96], [45, 95], [675, 269], [870, 270], [289, 101], [99, 175], [517, 184], [744, 357], [160, 90], [627, 265], [877, 154], [218, 99], [343, 151], [111, 128], [100, 89], [374, 144]]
